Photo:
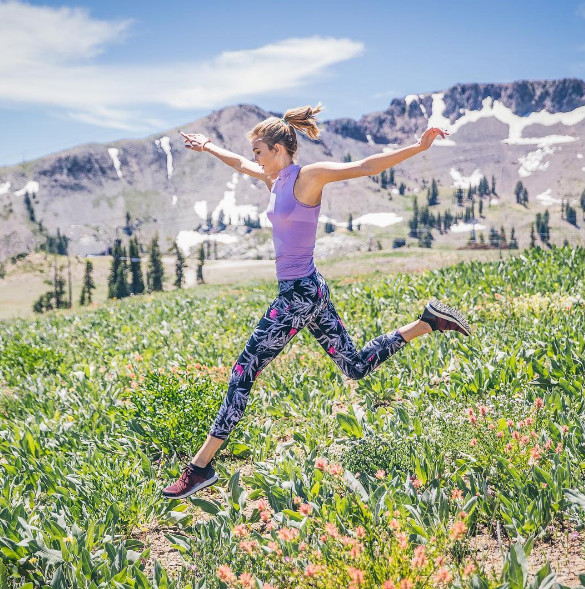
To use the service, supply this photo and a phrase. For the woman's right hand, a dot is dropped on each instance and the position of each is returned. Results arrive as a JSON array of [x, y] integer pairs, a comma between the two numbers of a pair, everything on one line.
[[195, 141]]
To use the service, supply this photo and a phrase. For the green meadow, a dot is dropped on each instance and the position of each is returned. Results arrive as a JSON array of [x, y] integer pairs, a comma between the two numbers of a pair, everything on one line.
[[459, 463]]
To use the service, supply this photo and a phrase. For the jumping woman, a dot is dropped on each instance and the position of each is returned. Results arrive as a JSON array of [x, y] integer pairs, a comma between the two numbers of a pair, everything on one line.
[[303, 298]]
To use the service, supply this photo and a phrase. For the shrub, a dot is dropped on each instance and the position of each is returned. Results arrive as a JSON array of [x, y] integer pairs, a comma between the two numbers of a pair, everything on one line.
[[175, 410]]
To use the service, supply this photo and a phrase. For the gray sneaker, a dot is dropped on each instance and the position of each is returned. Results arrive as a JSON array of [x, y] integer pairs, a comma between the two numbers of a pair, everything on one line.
[[442, 317]]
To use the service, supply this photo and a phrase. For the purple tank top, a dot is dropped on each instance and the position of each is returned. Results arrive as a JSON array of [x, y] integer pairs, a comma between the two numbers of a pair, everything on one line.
[[294, 227]]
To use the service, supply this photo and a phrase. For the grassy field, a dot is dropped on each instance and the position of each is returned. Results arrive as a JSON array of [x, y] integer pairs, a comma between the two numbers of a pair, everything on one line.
[[459, 463], [29, 278]]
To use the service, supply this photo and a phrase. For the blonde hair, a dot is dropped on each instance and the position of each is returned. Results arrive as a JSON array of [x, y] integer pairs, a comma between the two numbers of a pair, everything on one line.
[[275, 130]]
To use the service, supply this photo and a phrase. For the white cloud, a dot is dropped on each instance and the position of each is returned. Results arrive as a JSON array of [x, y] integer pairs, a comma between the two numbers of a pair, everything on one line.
[[47, 58]]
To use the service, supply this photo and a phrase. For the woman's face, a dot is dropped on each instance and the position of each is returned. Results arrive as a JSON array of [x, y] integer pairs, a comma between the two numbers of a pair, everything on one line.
[[265, 157]]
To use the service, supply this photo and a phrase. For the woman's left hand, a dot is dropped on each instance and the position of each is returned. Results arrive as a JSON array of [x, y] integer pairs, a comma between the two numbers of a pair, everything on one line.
[[430, 135]]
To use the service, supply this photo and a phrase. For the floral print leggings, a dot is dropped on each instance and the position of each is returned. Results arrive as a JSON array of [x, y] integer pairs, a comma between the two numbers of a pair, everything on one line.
[[303, 302]]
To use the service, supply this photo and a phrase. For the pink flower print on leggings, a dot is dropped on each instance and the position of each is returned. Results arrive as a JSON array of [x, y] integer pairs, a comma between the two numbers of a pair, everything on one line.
[[239, 369], [319, 291], [292, 332], [331, 350], [273, 314]]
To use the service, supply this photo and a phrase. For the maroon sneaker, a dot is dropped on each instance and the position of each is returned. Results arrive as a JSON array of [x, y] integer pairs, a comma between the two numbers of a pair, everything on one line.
[[441, 317], [193, 479]]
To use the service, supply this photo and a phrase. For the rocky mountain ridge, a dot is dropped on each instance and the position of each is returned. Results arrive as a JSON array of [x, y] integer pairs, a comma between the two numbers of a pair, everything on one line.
[[528, 130]]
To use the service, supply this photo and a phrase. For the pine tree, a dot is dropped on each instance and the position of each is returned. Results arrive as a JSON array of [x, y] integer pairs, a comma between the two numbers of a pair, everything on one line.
[[350, 222], [481, 207], [116, 261], [384, 179], [391, 177], [433, 194], [402, 189], [179, 268], [29, 207], [136, 279], [513, 242], [155, 266], [481, 239], [524, 196], [582, 201], [88, 285], [493, 189], [121, 280], [201, 261], [502, 237], [532, 236], [518, 192], [414, 221]]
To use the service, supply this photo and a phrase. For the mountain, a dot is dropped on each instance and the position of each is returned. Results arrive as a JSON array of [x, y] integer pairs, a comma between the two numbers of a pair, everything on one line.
[[532, 131]]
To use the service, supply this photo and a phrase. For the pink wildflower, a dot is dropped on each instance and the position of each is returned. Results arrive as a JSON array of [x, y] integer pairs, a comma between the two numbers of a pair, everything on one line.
[[420, 558], [458, 530], [456, 494], [406, 584], [262, 505], [356, 550], [473, 442], [388, 585], [225, 573], [559, 448], [240, 531], [443, 576], [394, 524], [313, 570], [416, 482], [360, 532], [335, 469], [297, 500], [483, 410], [248, 546], [402, 540], [469, 568], [320, 463], [500, 435], [288, 534], [538, 403], [247, 581], [265, 515], [332, 530], [305, 509], [535, 454], [356, 575], [380, 474]]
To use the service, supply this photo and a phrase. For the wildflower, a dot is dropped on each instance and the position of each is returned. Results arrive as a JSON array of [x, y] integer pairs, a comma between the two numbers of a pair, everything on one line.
[[380, 474], [388, 585], [492, 426], [305, 509], [443, 576], [456, 494], [269, 586], [524, 440], [297, 500], [548, 444], [535, 454], [516, 435], [33, 560], [402, 540], [288, 534], [483, 410], [323, 537], [416, 482], [500, 435], [473, 442], [360, 532], [559, 448], [565, 429], [469, 568], [356, 550], [241, 531], [270, 526], [247, 581], [272, 545], [539, 403], [248, 546], [335, 469], [394, 524], [68, 539], [440, 561], [312, 570], [265, 516], [458, 530], [529, 421], [406, 584], [225, 573], [420, 558], [356, 575], [520, 424], [332, 530], [462, 515], [262, 505], [303, 546]]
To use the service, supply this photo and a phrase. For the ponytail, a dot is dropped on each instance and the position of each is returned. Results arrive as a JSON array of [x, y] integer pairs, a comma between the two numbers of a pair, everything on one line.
[[275, 130]]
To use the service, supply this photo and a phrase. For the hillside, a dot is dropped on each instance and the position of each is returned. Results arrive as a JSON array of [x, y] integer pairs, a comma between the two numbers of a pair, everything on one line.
[[457, 462], [529, 131]]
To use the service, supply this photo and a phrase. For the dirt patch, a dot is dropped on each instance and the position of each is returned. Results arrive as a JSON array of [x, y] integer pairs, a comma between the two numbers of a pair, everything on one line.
[[161, 549], [564, 552]]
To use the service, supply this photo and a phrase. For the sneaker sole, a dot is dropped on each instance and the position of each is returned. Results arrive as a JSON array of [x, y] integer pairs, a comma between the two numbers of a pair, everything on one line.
[[449, 313], [196, 488]]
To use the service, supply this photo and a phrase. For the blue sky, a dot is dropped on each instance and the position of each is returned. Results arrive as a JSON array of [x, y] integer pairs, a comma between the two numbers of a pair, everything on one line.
[[88, 71]]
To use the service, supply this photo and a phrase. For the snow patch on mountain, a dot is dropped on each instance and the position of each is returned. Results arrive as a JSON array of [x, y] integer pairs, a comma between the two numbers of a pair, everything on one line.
[[113, 152], [32, 187], [4, 188], [164, 143], [532, 161], [461, 181]]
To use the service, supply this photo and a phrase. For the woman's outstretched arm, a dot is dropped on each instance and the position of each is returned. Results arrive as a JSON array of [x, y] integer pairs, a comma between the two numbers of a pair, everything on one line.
[[199, 142], [324, 172]]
